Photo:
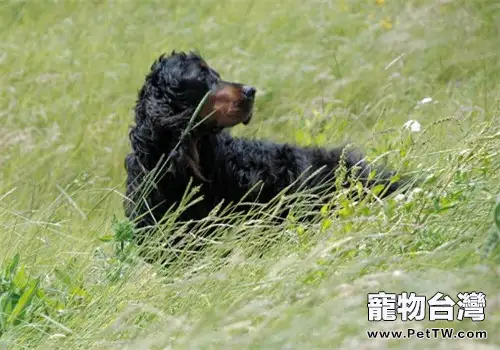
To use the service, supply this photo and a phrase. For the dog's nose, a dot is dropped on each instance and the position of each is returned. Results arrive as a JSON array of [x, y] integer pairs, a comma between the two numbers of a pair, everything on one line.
[[249, 91]]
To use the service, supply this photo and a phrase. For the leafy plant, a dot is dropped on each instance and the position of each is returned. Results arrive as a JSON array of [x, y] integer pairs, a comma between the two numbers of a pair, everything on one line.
[[120, 262], [21, 297], [123, 234]]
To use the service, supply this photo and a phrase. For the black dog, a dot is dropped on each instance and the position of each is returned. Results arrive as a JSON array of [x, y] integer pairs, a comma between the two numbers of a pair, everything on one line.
[[172, 150]]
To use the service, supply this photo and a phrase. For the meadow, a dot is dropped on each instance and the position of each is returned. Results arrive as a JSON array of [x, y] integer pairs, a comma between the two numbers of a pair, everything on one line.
[[327, 72]]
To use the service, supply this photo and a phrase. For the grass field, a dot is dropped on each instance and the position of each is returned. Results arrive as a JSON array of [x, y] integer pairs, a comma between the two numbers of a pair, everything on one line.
[[327, 72]]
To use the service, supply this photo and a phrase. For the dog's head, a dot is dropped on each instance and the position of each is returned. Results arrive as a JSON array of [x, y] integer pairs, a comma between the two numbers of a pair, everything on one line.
[[182, 81], [176, 87]]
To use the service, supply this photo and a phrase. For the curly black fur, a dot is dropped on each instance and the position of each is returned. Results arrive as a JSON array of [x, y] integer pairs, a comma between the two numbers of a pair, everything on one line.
[[225, 168]]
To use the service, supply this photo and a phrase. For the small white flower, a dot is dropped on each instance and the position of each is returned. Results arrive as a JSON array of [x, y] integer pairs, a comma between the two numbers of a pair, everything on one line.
[[426, 100], [417, 190], [412, 125], [399, 197], [414, 192]]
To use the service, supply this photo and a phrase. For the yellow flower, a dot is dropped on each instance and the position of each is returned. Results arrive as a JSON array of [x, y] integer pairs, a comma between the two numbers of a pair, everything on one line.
[[386, 23], [379, 2]]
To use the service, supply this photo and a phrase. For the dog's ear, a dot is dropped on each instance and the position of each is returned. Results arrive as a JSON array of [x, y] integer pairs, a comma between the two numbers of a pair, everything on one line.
[[193, 160]]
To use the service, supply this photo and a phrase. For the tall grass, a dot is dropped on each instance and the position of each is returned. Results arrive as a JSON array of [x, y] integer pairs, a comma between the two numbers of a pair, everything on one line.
[[328, 72]]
